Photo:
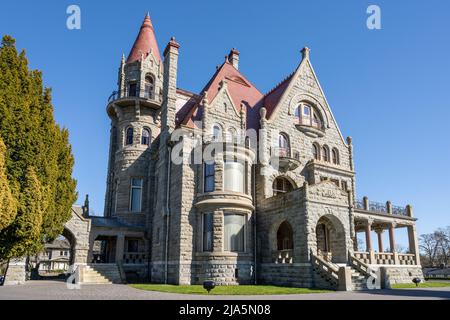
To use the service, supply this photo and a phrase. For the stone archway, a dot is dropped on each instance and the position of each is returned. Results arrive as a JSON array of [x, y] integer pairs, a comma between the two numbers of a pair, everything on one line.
[[77, 231], [330, 239]]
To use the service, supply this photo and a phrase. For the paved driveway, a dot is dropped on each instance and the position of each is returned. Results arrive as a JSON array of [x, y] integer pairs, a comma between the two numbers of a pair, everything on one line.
[[53, 290]]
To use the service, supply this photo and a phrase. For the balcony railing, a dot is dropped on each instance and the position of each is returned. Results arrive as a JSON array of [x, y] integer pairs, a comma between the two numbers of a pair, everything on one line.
[[150, 95], [377, 207], [386, 208], [281, 152], [310, 121]]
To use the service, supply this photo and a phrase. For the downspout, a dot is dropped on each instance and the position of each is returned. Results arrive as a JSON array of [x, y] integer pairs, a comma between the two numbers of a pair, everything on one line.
[[166, 271]]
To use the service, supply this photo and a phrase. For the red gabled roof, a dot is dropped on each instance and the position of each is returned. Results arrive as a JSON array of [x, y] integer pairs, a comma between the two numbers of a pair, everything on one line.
[[242, 92], [272, 98], [145, 42]]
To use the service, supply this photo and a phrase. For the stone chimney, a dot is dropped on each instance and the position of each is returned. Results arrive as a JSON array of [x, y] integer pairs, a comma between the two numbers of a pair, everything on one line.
[[233, 57]]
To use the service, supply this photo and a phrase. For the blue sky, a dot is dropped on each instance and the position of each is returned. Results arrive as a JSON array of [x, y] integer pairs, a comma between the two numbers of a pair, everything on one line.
[[387, 88]]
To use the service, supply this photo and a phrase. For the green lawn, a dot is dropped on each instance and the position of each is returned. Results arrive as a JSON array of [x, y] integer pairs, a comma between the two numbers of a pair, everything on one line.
[[427, 284], [227, 290]]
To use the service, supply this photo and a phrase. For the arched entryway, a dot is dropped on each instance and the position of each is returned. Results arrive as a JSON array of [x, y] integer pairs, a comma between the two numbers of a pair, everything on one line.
[[284, 246], [330, 239], [285, 238]]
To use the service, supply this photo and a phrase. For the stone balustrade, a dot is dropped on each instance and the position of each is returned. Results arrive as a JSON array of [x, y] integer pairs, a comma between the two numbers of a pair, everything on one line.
[[407, 258], [384, 258], [284, 256], [135, 257]]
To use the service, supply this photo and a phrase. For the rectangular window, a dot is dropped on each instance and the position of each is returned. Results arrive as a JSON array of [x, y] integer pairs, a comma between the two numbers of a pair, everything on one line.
[[234, 178], [132, 90], [132, 245], [234, 233], [209, 180], [208, 228], [136, 195]]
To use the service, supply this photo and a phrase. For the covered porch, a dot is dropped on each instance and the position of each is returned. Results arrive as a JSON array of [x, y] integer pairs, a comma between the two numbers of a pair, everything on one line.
[[374, 218]]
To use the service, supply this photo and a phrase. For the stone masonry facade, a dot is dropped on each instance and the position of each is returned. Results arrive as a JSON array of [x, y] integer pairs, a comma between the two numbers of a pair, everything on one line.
[[274, 203]]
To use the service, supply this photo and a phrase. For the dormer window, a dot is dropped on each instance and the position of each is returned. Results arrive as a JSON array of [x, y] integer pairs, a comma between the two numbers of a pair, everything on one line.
[[308, 116]]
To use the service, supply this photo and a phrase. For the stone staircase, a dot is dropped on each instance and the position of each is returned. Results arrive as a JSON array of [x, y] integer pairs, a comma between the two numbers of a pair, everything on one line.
[[330, 275], [100, 273], [359, 281]]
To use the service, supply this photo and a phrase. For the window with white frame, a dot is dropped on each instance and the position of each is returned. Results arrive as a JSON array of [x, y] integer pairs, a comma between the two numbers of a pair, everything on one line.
[[234, 176], [216, 133], [308, 116], [136, 195], [208, 229], [145, 138], [234, 232]]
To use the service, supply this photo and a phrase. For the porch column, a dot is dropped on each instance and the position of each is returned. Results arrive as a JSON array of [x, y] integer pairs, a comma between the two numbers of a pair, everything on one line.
[[413, 245], [369, 241], [380, 239], [355, 242], [120, 247], [392, 241]]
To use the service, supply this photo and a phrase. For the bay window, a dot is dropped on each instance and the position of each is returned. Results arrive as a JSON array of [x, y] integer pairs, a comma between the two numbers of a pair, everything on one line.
[[208, 228], [234, 232], [209, 179], [234, 176]]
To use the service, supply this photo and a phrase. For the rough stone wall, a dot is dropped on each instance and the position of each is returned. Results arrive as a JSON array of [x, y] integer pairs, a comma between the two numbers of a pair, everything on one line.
[[304, 88], [79, 229], [400, 274]]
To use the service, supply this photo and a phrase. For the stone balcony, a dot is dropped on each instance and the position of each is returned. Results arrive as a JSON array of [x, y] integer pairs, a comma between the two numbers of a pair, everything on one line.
[[140, 98]]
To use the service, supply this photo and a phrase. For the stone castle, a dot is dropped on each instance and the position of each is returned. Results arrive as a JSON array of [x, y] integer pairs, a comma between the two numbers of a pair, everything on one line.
[[275, 203]]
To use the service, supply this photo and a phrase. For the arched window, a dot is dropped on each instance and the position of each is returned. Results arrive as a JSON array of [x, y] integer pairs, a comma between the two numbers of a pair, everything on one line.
[[316, 151], [285, 237], [247, 142], [283, 145], [129, 136], [145, 139], [326, 154], [231, 135], [149, 87], [281, 185], [335, 155], [216, 133], [308, 116]]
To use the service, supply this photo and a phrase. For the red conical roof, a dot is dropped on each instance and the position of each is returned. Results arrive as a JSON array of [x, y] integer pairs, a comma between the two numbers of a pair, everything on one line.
[[145, 42]]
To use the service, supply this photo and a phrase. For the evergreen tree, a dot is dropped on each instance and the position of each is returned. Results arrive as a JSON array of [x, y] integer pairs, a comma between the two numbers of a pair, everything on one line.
[[8, 205], [39, 155]]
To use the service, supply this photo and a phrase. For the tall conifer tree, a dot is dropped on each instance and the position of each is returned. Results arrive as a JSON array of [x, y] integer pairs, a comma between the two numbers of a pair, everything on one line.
[[39, 157]]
